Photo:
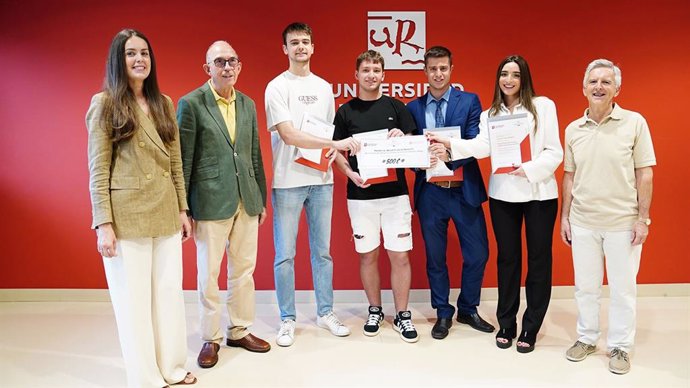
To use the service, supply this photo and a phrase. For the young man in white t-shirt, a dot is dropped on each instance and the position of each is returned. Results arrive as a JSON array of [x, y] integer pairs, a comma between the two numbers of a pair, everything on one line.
[[288, 97]]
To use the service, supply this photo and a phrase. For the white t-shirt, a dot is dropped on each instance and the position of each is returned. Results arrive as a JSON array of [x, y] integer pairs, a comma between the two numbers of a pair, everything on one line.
[[287, 98]]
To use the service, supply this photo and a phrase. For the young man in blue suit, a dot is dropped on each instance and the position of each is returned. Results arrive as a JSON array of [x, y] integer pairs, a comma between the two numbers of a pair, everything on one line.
[[460, 201]]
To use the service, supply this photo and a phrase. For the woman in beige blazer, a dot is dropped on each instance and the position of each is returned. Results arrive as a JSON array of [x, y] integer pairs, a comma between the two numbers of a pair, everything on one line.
[[139, 212]]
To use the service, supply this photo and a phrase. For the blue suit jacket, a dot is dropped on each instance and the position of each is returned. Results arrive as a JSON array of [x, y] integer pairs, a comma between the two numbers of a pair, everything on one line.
[[463, 110]]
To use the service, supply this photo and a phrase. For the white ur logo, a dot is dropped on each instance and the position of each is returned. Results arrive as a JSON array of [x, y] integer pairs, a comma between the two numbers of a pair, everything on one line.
[[400, 37]]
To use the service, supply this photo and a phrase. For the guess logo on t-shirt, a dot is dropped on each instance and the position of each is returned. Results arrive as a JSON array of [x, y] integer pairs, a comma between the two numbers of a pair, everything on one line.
[[308, 100]]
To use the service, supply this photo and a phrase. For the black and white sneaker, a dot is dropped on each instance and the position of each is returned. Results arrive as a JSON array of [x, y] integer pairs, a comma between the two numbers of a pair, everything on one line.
[[374, 322], [403, 325]]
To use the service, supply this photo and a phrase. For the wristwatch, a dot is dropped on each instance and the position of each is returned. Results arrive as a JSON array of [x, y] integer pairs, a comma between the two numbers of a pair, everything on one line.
[[646, 221]]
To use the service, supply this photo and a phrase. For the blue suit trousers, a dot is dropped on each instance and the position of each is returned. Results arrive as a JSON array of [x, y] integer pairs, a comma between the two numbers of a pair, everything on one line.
[[436, 207]]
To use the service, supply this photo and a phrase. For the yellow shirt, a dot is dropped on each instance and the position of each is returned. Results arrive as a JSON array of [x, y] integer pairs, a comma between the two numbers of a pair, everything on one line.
[[227, 110], [604, 158]]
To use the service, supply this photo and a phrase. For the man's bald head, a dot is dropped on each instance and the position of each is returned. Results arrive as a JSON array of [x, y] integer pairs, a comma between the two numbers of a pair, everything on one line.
[[215, 47], [223, 66]]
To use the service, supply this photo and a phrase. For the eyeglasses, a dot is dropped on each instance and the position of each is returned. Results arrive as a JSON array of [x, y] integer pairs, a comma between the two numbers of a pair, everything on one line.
[[221, 62]]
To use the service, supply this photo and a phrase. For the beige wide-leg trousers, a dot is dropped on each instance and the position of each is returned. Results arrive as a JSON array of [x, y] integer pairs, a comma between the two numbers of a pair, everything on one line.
[[145, 284]]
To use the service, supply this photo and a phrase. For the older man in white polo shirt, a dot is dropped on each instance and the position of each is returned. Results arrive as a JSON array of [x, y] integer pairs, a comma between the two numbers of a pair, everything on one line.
[[607, 192]]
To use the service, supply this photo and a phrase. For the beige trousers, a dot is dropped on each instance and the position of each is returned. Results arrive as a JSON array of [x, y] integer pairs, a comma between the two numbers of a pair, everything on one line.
[[236, 236], [145, 285]]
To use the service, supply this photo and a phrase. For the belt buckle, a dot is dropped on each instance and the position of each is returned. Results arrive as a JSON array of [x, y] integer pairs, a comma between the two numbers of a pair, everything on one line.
[[444, 184]]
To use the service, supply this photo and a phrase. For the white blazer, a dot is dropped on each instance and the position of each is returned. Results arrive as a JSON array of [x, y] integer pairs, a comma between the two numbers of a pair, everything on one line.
[[547, 155]]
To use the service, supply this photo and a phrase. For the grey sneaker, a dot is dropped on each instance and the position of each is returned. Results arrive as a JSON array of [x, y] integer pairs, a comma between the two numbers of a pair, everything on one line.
[[579, 351], [619, 362]]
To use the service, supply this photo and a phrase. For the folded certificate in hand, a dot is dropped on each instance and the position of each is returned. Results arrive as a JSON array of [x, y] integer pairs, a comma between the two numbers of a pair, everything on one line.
[[375, 175], [509, 139], [314, 157], [395, 152], [441, 173]]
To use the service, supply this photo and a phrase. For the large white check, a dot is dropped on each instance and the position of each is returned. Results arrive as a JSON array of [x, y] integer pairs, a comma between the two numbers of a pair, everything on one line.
[[395, 152]]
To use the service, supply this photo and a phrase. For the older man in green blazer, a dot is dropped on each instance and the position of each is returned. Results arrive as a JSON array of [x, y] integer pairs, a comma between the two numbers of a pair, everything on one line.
[[226, 187]]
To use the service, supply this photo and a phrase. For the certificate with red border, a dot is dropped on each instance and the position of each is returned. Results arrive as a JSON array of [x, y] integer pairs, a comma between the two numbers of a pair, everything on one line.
[[510, 144], [314, 158]]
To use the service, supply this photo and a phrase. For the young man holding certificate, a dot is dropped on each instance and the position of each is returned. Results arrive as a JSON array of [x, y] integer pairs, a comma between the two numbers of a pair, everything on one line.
[[438, 202], [289, 97], [378, 201]]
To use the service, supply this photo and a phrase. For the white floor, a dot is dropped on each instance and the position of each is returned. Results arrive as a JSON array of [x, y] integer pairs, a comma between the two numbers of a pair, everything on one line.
[[74, 344]]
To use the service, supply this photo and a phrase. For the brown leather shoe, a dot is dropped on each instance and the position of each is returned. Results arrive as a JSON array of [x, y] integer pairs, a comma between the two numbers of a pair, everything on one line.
[[208, 356], [251, 343]]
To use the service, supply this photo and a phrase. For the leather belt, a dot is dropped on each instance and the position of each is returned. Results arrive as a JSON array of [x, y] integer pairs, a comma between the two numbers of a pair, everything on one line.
[[447, 184]]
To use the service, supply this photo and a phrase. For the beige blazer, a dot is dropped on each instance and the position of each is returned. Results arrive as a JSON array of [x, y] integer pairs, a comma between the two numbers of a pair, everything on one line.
[[136, 184]]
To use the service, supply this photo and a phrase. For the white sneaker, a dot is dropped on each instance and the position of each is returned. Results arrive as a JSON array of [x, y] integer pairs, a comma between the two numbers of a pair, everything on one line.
[[332, 323], [286, 334]]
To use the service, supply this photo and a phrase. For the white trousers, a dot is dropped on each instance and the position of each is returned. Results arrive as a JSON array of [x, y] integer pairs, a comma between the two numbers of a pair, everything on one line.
[[145, 284], [622, 261], [238, 237]]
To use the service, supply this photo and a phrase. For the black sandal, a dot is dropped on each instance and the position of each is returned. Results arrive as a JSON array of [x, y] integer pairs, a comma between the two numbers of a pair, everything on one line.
[[525, 339], [507, 335]]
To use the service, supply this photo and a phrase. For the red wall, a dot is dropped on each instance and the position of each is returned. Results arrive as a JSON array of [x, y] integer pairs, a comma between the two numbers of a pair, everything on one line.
[[52, 57]]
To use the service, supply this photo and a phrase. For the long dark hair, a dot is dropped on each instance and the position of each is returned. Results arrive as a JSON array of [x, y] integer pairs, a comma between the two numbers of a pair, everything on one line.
[[526, 93], [119, 105]]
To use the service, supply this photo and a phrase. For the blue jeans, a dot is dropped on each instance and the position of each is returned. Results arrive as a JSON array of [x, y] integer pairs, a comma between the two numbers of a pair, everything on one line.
[[317, 201]]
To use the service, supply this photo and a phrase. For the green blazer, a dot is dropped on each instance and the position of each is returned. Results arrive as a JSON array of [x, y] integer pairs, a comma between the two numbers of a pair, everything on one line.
[[136, 184], [217, 173]]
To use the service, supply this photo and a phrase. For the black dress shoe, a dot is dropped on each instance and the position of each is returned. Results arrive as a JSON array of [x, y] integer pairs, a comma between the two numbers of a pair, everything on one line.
[[476, 322], [441, 327]]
